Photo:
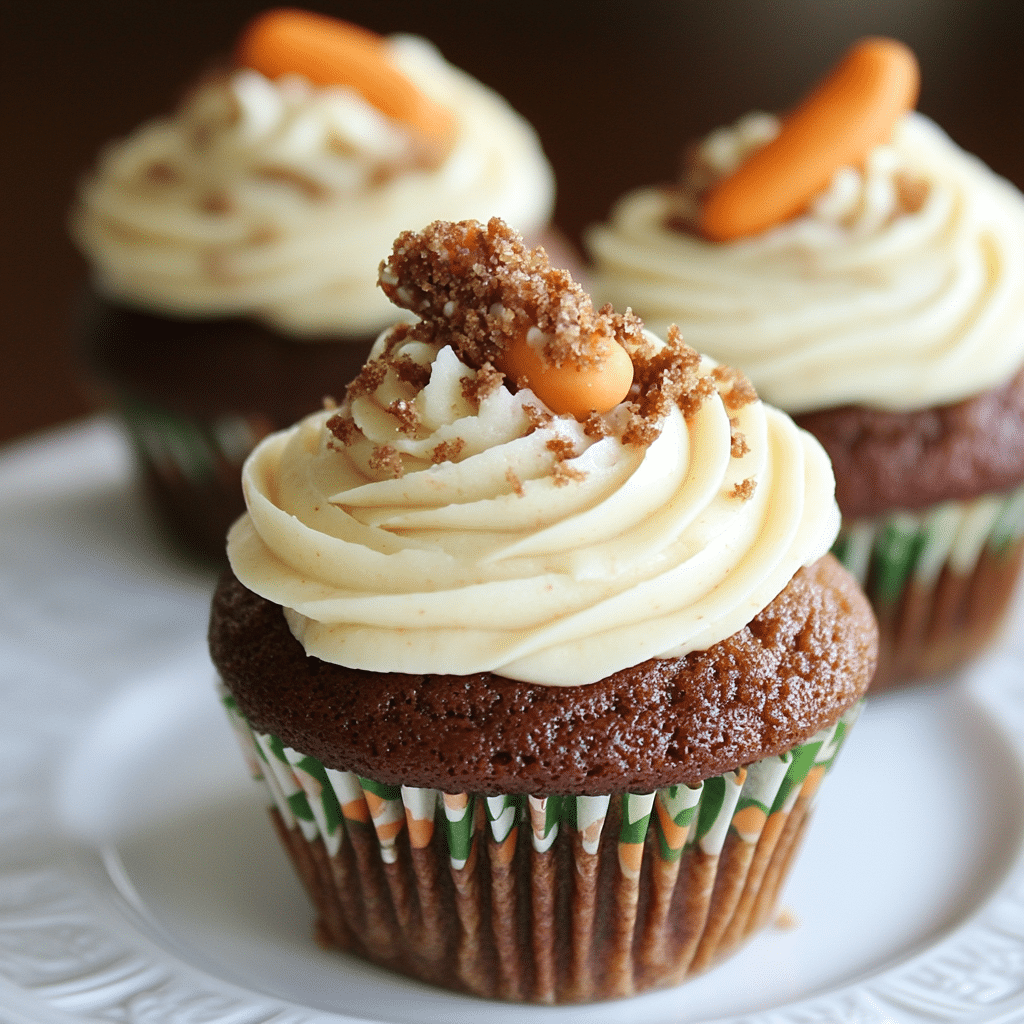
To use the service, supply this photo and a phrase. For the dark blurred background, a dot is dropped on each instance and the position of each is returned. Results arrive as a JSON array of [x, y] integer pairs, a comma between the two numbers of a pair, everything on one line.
[[615, 89]]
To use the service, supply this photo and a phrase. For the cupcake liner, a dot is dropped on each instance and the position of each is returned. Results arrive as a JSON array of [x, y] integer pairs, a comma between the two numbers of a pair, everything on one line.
[[192, 466], [546, 899], [939, 579]]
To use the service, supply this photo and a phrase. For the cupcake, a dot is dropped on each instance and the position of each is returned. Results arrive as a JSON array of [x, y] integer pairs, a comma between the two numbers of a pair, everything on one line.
[[542, 667], [880, 302], [233, 245]]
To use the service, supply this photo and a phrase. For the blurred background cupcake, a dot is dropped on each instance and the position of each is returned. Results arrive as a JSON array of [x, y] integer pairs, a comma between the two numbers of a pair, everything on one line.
[[870, 280], [233, 245], [542, 692]]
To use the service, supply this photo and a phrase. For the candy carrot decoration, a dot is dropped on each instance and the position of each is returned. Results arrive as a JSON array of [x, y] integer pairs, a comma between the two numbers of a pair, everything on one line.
[[332, 52], [853, 109], [569, 388]]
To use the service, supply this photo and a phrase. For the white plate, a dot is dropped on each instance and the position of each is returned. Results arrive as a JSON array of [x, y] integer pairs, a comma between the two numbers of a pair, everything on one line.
[[139, 881]]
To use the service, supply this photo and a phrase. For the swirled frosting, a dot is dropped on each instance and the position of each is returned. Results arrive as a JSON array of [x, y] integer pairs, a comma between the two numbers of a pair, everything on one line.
[[275, 199], [901, 287], [439, 522]]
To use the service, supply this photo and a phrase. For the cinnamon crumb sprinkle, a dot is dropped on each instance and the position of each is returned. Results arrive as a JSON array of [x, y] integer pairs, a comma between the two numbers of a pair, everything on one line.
[[734, 387], [480, 288], [344, 428], [595, 426], [517, 485], [162, 172], [911, 191], [483, 385], [370, 378], [385, 458], [406, 414], [738, 446], [215, 203], [308, 187], [537, 417], [744, 490], [563, 474], [447, 451], [562, 447], [409, 371]]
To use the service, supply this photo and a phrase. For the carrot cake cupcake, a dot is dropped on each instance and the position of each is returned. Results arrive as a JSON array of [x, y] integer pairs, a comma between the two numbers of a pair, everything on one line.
[[868, 275], [233, 244], [535, 639]]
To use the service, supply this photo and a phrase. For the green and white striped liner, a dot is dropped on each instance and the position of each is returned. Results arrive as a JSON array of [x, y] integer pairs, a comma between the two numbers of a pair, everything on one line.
[[886, 553], [323, 802], [636, 817], [349, 793], [502, 815], [246, 740], [420, 813], [762, 783], [291, 800], [677, 813], [544, 814], [191, 446], [320, 796], [591, 813], [458, 813], [387, 811], [717, 804]]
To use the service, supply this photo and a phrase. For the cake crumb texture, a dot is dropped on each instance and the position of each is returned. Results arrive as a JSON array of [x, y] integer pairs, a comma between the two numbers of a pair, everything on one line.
[[793, 669]]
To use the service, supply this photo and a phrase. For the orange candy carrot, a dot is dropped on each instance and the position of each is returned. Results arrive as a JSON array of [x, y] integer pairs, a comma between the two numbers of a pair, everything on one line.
[[567, 388], [853, 109], [332, 52]]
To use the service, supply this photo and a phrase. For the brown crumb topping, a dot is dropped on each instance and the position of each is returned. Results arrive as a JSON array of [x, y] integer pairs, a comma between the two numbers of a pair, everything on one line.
[[513, 478], [734, 386], [486, 382], [538, 418], [448, 451], [409, 371], [406, 414], [738, 446], [911, 191], [562, 447], [385, 458], [370, 378], [744, 490], [162, 172], [329, 403], [344, 428], [661, 380], [479, 287], [215, 203], [595, 426], [563, 474]]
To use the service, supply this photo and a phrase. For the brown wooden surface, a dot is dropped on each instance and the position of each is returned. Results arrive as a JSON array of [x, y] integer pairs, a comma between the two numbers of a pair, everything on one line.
[[615, 89]]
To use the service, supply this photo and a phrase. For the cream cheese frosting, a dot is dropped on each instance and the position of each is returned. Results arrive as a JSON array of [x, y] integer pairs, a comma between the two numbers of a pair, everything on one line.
[[275, 199], [902, 286], [425, 528]]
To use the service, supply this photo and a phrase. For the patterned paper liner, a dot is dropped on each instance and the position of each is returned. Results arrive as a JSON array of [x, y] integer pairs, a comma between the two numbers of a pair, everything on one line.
[[940, 580], [541, 899], [193, 467]]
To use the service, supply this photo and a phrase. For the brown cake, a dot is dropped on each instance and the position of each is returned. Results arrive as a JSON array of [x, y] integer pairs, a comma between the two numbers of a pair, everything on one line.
[[235, 242], [885, 312], [542, 699]]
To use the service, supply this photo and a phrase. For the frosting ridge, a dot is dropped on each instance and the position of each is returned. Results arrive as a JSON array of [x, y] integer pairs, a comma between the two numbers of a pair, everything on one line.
[[274, 199], [901, 287], [434, 525]]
